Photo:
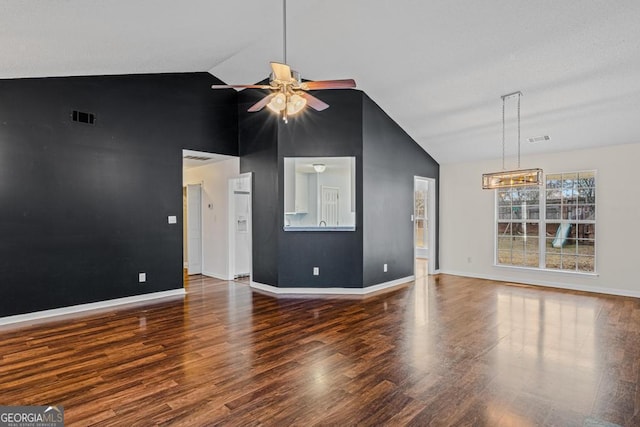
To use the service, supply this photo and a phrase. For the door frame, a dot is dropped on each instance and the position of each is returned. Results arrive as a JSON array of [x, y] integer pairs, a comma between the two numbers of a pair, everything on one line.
[[231, 247], [190, 235], [431, 221]]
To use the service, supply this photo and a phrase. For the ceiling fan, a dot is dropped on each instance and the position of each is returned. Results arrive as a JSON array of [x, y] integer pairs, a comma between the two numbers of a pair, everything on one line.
[[289, 93]]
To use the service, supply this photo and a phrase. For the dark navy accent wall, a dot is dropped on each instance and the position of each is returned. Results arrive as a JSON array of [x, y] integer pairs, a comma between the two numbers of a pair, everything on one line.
[[387, 160], [336, 131], [391, 160], [258, 147], [83, 208]]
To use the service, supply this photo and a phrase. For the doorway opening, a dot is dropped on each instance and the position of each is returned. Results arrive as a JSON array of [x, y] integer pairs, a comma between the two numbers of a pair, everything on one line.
[[240, 228], [192, 228], [423, 225], [206, 202]]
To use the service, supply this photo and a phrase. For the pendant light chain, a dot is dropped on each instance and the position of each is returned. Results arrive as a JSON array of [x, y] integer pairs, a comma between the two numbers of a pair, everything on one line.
[[504, 97], [503, 143], [519, 94]]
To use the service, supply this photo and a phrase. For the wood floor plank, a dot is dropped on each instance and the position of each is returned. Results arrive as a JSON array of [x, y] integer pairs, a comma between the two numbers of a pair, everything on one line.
[[445, 350]]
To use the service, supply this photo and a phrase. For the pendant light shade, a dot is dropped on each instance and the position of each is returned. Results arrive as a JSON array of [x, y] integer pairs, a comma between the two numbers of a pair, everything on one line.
[[517, 178]]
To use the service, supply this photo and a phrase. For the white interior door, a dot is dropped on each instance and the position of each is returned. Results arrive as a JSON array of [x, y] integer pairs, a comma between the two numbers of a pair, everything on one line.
[[330, 206], [194, 228]]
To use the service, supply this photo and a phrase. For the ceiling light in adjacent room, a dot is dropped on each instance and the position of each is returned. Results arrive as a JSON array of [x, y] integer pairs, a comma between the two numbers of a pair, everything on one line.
[[319, 167]]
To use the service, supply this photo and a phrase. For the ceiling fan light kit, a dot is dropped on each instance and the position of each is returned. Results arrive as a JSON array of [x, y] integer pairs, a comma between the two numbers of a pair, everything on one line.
[[514, 178], [289, 96]]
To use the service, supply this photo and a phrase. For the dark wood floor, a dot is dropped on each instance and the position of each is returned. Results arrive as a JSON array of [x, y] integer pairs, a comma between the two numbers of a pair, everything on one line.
[[443, 351]]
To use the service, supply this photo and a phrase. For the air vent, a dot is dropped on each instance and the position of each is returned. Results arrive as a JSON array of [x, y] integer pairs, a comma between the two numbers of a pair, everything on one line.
[[83, 117], [200, 158], [536, 139]]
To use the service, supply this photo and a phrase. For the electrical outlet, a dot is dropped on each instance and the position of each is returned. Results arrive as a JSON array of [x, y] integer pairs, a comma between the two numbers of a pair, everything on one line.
[[469, 260], [384, 268], [316, 271], [142, 277], [172, 219]]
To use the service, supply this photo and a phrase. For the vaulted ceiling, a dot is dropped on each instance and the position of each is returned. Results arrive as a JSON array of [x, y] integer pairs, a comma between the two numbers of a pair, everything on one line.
[[437, 67]]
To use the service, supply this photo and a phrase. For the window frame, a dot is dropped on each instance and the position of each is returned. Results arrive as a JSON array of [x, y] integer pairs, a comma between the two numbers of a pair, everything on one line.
[[543, 222]]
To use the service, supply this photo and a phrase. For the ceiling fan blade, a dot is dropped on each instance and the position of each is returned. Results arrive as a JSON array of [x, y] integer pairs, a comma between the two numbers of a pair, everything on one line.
[[260, 104], [241, 87], [314, 102], [281, 72], [329, 84]]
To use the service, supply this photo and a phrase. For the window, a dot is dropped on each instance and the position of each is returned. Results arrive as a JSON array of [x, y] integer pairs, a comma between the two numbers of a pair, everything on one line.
[[561, 239], [518, 226], [570, 221]]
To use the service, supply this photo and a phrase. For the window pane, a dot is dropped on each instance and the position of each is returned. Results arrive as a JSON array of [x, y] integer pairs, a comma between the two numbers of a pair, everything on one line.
[[531, 229], [504, 228], [568, 262], [553, 212], [533, 212], [569, 180], [531, 196], [504, 257], [586, 263], [552, 260], [587, 195], [532, 260], [518, 244], [586, 231], [586, 179], [586, 247], [504, 212], [504, 243], [570, 248], [585, 212], [550, 248], [554, 197], [569, 212], [504, 197], [554, 181]]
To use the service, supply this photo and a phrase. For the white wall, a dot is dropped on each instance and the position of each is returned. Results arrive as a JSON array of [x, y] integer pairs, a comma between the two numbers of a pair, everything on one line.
[[467, 220], [214, 178]]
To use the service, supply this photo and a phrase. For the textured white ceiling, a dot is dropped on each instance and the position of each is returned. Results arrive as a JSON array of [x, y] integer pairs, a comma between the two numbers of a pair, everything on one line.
[[437, 67]]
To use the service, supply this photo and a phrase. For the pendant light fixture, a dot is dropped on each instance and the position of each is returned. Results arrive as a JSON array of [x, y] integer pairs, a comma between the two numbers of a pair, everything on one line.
[[513, 178]]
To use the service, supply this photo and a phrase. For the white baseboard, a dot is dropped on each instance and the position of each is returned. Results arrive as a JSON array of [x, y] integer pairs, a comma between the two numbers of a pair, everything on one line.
[[549, 284], [57, 312], [215, 275], [331, 291]]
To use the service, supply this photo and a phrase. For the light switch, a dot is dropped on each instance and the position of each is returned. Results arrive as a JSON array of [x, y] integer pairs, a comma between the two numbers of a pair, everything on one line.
[[173, 219]]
